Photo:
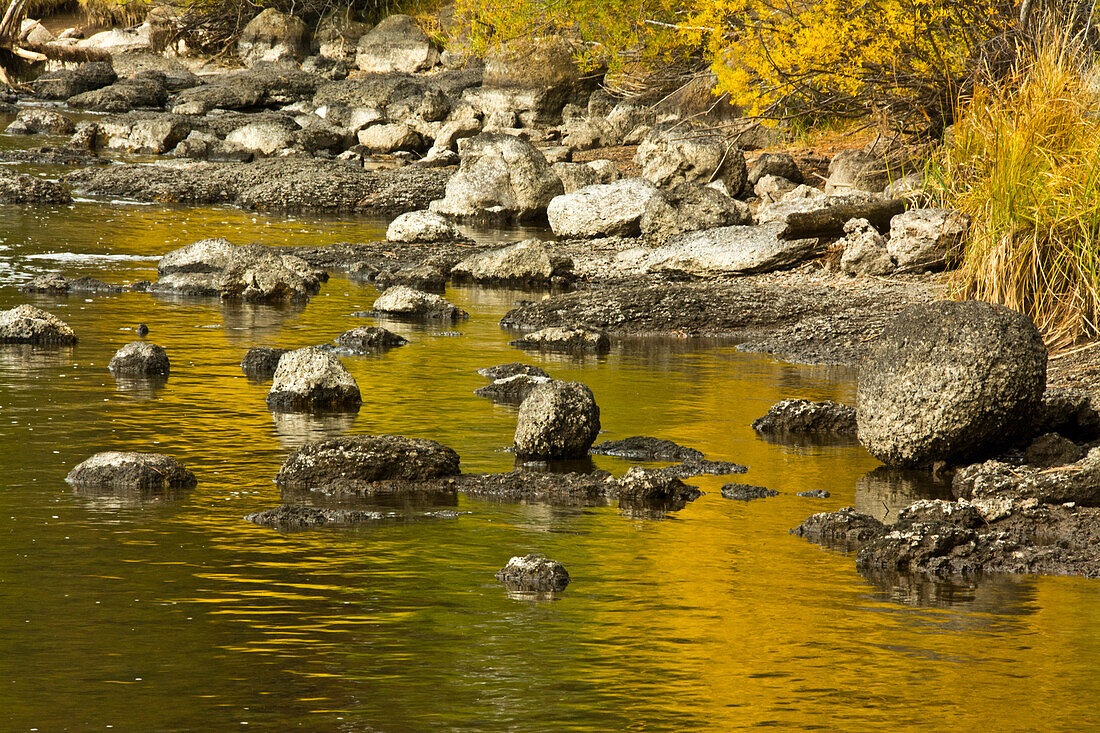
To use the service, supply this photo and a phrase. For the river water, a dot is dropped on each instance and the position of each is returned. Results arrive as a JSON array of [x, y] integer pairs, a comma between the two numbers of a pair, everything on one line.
[[175, 614]]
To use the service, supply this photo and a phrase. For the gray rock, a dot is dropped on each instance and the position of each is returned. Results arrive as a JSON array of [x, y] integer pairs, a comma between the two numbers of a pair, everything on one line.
[[533, 574], [589, 133], [216, 267], [804, 416], [145, 89], [116, 41], [65, 83], [396, 44], [774, 164], [312, 379], [156, 134], [732, 250], [37, 121], [263, 86], [511, 390], [85, 137], [601, 210], [260, 362], [690, 207], [814, 494], [421, 226], [997, 488], [772, 188], [857, 170], [26, 324], [558, 420], [129, 470], [865, 251], [845, 528], [428, 276], [272, 36], [139, 358], [370, 338], [511, 369], [682, 153], [204, 146], [337, 36], [572, 340], [747, 492], [525, 263], [404, 301], [924, 239], [390, 138], [455, 130], [266, 138], [368, 464], [1072, 413], [645, 488], [500, 175], [1052, 449], [642, 448], [532, 78], [950, 382]]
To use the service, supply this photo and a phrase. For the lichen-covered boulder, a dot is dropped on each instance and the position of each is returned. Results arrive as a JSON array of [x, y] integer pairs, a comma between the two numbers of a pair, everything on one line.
[[397, 44], [312, 379], [356, 463], [129, 470], [26, 324], [272, 36], [924, 239], [747, 492], [533, 574], [602, 209], [500, 176], [690, 207], [37, 121], [216, 267], [557, 420], [406, 302], [525, 263], [139, 358], [370, 338], [421, 226], [950, 381], [681, 153]]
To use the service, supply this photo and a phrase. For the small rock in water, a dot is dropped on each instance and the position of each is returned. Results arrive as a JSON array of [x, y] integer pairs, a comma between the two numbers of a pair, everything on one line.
[[533, 574], [260, 362], [513, 390], [312, 379], [26, 324], [122, 469], [503, 371], [366, 338], [139, 358], [814, 494], [641, 448], [803, 416], [142, 330], [747, 492], [573, 340], [404, 301], [691, 468]]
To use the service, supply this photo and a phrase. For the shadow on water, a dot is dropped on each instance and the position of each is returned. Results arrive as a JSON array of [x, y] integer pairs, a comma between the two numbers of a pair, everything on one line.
[[884, 491]]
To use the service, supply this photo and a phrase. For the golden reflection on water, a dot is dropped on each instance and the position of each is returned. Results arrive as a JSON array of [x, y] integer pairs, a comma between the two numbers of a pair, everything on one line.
[[176, 615]]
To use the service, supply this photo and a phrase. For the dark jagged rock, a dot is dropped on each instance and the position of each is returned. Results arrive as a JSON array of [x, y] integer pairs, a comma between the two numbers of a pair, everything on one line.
[[52, 282], [562, 489], [65, 83], [641, 448], [139, 358], [804, 416], [814, 494], [558, 420], [26, 324], [426, 276], [952, 382], [1078, 482], [145, 471], [511, 390], [260, 362], [845, 528], [1052, 449], [369, 338], [654, 489], [290, 517], [511, 369], [20, 188], [703, 467], [747, 492], [369, 464], [533, 574], [1072, 413]]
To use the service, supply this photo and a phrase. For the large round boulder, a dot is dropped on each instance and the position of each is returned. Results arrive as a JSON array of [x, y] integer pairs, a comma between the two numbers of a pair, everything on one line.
[[951, 382], [557, 420], [139, 358], [397, 44], [601, 210], [26, 324], [421, 226], [312, 379], [129, 470], [355, 462]]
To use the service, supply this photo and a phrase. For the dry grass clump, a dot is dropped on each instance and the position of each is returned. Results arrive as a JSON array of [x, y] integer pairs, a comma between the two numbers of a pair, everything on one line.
[[1024, 165]]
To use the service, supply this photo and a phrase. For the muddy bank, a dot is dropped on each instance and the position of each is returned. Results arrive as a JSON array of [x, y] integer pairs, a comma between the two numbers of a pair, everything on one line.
[[270, 185]]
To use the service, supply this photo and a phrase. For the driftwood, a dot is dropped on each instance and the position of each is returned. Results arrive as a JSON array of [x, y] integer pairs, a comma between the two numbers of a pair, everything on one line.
[[16, 51], [830, 221]]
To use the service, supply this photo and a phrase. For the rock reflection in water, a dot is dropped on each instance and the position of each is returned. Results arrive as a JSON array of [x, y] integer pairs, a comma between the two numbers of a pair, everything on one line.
[[295, 429], [141, 388], [882, 492], [405, 499], [110, 497], [26, 357], [243, 320], [973, 601], [571, 465]]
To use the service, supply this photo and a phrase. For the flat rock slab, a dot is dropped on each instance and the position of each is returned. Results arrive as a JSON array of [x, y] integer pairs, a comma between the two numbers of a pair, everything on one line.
[[734, 250], [642, 448], [747, 492], [805, 417], [290, 517]]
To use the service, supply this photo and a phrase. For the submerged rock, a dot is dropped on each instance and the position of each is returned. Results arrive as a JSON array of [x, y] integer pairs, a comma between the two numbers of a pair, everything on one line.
[[641, 448], [558, 420], [572, 340], [703, 467], [144, 471], [139, 358], [950, 382], [369, 464], [26, 324], [747, 492], [404, 301], [312, 379], [533, 574], [804, 416], [52, 282], [814, 494], [560, 489], [260, 362]]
